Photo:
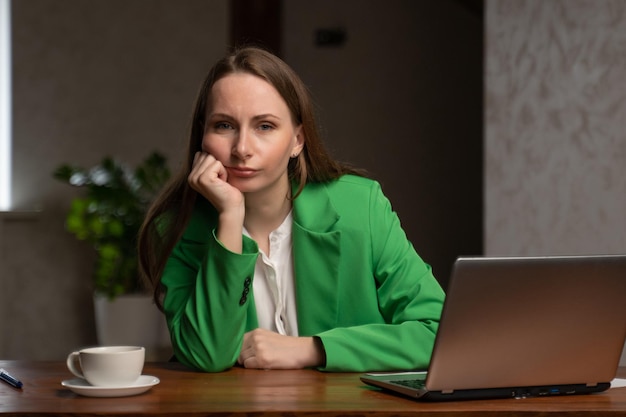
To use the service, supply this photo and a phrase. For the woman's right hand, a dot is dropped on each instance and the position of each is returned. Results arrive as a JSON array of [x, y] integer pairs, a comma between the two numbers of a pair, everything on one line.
[[209, 178]]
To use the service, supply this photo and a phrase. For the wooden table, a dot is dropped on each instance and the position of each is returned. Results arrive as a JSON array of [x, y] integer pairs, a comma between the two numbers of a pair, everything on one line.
[[241, 392]]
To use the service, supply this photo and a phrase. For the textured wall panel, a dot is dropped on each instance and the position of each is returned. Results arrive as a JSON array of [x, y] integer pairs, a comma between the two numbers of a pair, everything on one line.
[[555, 127]]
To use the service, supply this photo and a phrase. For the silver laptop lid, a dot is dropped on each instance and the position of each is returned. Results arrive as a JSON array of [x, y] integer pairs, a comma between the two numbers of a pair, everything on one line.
[[511, 322]]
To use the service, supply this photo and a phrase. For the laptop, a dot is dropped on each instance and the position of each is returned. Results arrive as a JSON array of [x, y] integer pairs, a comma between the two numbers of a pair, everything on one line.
[[523, 327]]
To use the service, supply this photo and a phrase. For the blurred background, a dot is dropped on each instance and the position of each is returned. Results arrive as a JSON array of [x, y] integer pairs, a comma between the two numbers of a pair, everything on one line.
[[495, 127]]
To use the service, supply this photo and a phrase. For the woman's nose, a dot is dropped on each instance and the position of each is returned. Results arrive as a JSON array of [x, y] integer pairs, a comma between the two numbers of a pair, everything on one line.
[[241, 147]]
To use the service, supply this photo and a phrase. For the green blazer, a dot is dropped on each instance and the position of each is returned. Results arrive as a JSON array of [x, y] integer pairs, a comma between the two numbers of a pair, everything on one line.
[[360, 286]]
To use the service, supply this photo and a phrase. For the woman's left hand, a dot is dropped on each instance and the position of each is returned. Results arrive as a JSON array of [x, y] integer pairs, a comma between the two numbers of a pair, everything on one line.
[[264, 349]]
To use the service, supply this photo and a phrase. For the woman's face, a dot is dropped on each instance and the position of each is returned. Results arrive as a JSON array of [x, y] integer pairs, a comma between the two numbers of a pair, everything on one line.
[[249, 129]]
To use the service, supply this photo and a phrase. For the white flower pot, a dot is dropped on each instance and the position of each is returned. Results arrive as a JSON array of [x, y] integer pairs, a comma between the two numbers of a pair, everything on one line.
[[132, 320]]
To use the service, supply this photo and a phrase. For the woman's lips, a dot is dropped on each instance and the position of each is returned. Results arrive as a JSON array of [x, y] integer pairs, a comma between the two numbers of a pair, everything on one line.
[[241, 172]]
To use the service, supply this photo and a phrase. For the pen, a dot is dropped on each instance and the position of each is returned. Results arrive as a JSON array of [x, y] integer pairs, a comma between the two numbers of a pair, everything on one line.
[[6, 377]]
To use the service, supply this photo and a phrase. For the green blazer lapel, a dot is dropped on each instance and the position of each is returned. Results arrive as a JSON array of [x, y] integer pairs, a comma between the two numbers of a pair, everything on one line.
[[316, 251]]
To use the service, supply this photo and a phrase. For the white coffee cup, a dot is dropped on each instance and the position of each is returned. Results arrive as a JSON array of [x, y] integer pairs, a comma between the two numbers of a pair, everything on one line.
[[108, 366]]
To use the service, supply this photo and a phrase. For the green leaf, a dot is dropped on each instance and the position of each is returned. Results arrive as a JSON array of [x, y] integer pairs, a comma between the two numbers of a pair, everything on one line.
[[115, 228]]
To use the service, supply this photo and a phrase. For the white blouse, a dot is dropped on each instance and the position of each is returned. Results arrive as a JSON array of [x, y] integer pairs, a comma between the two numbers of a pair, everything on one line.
[[273, 285]]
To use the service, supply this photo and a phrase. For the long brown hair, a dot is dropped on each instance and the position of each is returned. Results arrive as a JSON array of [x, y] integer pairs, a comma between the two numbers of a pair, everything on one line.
[[168, 216]]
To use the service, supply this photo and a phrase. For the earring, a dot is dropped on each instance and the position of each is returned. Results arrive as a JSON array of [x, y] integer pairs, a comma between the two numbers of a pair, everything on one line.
[[294, 155]]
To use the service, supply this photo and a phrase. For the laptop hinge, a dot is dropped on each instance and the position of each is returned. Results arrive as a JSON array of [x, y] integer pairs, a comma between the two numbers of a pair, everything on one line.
[[592, 384], [447, 391]]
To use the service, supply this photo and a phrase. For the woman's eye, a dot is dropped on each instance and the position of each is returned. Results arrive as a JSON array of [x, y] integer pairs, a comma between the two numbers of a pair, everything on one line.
[[266, 126], [222, 126]]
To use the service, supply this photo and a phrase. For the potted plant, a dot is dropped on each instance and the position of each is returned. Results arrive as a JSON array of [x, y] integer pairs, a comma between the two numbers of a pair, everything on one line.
[[108, 216]]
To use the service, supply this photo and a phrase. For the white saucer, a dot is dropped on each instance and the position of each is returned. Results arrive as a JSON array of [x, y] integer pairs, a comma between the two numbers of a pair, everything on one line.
[[82, 387]]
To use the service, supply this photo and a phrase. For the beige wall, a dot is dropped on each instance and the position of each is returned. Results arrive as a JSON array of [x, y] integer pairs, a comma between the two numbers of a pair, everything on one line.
[[403, 99], [90, 78], [555, 127]]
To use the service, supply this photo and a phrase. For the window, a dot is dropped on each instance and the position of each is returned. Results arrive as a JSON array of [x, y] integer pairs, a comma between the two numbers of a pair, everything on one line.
[[5, 105]]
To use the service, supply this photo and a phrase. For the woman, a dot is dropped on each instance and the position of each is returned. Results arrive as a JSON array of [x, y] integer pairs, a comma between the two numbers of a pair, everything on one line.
[[267, 253]]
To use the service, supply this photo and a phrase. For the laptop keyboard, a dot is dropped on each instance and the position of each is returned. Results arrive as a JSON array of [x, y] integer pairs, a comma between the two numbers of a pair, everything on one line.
[[412, 383]]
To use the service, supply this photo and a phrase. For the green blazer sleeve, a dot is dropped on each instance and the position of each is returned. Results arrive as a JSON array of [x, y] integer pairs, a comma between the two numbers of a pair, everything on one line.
[[368, 296], [207, 295]]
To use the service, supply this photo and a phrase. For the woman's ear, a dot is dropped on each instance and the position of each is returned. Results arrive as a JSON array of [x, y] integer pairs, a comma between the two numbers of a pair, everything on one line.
[[299, 140]]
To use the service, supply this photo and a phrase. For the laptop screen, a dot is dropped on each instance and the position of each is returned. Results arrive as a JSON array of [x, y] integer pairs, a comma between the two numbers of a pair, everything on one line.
[[531, 321]]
